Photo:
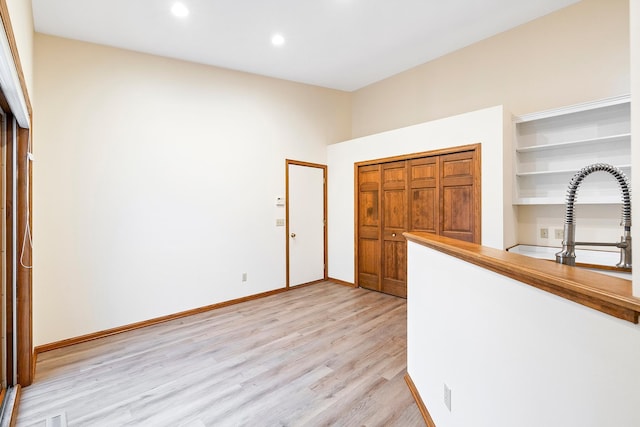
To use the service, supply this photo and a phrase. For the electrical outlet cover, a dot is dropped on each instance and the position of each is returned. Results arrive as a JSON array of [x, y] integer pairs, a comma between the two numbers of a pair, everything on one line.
[[447, 397]]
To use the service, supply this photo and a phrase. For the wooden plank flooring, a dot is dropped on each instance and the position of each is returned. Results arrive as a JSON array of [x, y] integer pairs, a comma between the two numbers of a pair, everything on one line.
[[322, 355]]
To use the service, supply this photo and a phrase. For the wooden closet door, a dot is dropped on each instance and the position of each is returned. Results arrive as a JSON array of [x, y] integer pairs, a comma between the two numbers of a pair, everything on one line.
[[436, 192], [394, 223], [424, 197], [369, 227], [458, 198]]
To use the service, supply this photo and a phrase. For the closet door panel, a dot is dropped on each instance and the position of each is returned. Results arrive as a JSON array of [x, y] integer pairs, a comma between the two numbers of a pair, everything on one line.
[[394, 207], [394, 223], [369, 227], [424, 197], [394, 281], [458, 199], [369, 263], [457, 213]]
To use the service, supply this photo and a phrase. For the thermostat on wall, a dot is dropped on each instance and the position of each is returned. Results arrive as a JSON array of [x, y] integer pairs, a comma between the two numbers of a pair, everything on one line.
[[279, 201]]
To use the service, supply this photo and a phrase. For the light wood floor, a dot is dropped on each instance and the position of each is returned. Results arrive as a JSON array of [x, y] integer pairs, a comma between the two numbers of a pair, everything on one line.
[[320, 355]]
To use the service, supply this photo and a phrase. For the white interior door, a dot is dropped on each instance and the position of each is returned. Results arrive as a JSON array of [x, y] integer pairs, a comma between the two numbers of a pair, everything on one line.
[[306, 223]]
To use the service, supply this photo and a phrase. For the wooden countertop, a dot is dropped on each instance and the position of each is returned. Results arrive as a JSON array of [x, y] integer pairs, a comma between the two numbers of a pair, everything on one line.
[[607, 294]]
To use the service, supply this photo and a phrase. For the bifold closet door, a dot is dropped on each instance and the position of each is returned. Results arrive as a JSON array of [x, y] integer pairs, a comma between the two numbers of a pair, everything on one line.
[[437, 193], [369, 231], [395, 208], [458, 196]]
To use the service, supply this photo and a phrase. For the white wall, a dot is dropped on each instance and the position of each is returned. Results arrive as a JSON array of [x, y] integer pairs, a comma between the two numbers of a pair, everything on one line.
[[483, 126], [156, 180], [514, 355], [577, 54], [22, 25], [536, 66]]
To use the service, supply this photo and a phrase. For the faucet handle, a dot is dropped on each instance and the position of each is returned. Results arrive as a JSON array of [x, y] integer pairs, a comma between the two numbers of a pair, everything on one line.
[[625, 251]]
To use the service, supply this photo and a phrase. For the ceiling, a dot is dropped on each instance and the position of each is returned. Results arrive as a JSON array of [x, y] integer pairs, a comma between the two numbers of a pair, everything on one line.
[[339, 44]]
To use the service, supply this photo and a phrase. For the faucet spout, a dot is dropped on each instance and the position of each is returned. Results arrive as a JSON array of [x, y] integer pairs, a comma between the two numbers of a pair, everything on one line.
[[568, 255]]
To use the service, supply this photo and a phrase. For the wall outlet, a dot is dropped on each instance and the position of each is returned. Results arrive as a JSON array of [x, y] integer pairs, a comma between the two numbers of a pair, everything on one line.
[[559, 233], [280, 222], [244, 277], [447, 397], [544, 233]]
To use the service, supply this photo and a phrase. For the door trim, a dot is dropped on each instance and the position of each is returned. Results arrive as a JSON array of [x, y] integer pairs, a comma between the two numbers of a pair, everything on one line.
[[324, 213], [450, 150], [411, 156]]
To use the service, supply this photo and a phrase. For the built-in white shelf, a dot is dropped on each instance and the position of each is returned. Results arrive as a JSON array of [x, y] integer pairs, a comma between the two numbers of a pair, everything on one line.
[[564, 171], [551, 146], [571, 144], [557, 200], [576, 108]]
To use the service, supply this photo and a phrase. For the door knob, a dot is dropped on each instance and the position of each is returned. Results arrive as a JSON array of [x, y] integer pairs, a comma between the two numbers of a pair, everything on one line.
[[293, 234]]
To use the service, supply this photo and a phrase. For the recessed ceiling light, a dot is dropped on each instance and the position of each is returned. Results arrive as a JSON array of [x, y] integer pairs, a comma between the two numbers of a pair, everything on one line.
[[277, 40], [179, 10]]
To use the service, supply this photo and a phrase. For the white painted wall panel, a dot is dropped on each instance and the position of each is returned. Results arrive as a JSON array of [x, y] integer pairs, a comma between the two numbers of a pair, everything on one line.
[[156, 183], [514, 355], [483, 126]]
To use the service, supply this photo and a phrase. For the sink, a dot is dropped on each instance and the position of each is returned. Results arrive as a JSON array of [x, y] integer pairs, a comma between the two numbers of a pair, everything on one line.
[[607, 259]]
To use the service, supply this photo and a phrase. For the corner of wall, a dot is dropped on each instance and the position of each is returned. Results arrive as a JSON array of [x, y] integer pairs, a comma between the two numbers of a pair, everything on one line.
[[509, 237], [634, 9], [21, 15]]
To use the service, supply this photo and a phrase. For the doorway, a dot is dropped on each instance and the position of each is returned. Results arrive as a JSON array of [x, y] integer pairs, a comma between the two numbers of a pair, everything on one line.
[[15, 188], [306, 222]]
